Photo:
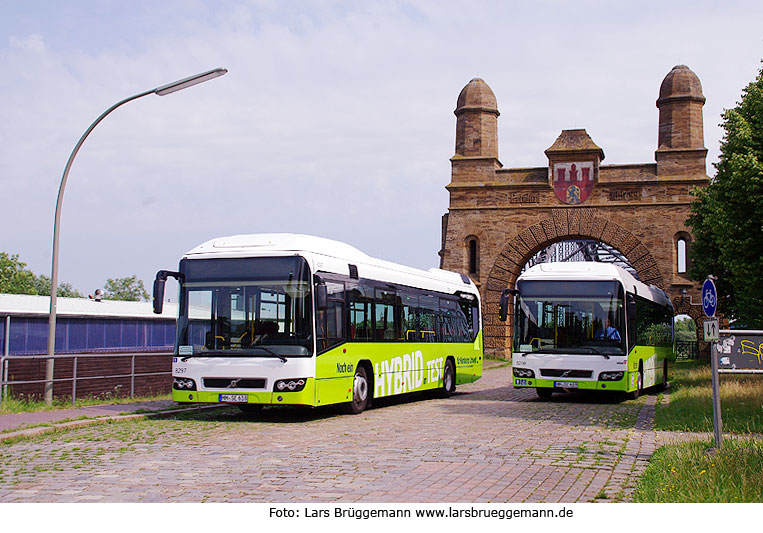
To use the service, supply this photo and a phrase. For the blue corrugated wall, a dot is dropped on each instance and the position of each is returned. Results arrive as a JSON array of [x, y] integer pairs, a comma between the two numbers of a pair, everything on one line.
[[29, 335]]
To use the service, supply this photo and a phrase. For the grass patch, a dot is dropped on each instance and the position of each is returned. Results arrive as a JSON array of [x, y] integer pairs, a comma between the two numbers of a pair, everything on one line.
[[29, 405], [687, 473], [691, 395]]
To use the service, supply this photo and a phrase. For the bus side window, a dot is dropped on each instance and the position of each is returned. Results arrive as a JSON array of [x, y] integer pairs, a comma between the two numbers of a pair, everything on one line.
[[631, 310], [471, 317], [386, 327], [475, 320], [361, 319], [331, 320], [455, 321], [428, 308], [410, 328]]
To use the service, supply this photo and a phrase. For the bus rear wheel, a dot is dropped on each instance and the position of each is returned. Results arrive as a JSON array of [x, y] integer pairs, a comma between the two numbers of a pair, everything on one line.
[[360, 392], [448, 379], [664, 383]]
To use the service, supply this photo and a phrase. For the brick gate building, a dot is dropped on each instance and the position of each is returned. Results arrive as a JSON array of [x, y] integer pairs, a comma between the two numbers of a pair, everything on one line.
[[499, 218]]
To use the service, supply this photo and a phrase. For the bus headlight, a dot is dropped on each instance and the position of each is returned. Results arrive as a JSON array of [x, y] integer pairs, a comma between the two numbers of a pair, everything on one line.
[[611, 376], [290, 385], [183, 384], [523, 373]]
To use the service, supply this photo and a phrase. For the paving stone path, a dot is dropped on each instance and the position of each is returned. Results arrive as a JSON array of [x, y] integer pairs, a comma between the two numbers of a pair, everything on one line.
[[487, 443]]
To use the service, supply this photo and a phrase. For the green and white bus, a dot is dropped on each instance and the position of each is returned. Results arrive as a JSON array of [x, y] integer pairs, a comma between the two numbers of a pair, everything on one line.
[[284, 319], [587, 325]]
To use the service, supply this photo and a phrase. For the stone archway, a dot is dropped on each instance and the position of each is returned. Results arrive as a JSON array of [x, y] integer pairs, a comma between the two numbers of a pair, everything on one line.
[[563, 224], [684, 305], [509, 214]]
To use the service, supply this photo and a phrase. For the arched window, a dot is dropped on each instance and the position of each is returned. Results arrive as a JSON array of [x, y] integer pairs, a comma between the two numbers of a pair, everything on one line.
[[682, 253], [681, 250], [473, 256]]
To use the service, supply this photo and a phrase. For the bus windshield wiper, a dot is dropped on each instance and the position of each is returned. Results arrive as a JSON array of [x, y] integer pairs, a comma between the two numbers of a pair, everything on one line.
[[594, 350], [270, 352], [236, 353], [570, 350]]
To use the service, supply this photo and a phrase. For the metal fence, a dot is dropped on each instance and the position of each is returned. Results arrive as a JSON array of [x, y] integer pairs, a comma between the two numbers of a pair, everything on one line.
[[686, 350], [5, 382]]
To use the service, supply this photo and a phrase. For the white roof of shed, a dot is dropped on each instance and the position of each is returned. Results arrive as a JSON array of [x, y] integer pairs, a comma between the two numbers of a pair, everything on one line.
[[29, 305]]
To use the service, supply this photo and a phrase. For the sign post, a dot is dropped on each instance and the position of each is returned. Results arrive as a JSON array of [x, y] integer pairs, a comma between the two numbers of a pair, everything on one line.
[[717, 421], [709, 306]]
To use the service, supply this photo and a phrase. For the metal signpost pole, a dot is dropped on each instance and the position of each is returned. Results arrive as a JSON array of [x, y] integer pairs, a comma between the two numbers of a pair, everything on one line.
[[717, 421], [709, 306]]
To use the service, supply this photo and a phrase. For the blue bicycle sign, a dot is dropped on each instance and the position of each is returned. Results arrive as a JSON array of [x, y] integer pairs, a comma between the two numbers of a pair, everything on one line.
[[709, 298]]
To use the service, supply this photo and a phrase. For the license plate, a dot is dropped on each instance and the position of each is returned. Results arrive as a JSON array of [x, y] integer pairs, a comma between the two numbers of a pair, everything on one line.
[[566, 384], [234, 398]]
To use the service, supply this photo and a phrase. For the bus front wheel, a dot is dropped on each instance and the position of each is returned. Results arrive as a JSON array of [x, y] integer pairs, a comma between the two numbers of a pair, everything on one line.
[[360, 392], [250, 408], [639, 384], [544, 392]]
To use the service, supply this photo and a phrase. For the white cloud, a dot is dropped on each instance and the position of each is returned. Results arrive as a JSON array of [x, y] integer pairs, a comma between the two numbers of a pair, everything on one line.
[[33, 43]]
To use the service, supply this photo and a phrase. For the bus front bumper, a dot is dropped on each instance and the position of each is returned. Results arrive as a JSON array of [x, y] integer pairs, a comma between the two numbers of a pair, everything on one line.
[[237, 397], [572, 384]]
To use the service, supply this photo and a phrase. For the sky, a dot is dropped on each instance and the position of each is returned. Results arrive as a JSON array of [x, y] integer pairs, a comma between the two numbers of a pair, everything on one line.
[[335, 118]]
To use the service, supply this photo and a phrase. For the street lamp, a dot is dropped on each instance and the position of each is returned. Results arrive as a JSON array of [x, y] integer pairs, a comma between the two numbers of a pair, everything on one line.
[[161, 91]]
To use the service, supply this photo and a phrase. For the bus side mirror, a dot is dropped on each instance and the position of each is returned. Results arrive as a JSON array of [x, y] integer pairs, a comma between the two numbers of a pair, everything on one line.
[[503, 306], [321, 296], [159, 294], [159, 282]]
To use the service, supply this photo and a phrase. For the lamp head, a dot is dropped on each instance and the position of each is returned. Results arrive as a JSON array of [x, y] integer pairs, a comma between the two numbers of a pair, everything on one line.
[[189, 82]]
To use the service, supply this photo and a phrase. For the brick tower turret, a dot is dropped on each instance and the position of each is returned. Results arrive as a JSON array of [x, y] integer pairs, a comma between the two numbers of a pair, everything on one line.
[[680, 143], [476, 133]]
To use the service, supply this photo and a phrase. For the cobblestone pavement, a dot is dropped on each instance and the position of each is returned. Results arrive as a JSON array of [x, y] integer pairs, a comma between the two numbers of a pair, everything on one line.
[[20, 421], [487, 443]]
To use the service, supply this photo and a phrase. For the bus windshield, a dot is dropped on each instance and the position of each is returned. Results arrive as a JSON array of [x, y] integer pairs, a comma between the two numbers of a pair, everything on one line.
[[254, 307], [570, 317]]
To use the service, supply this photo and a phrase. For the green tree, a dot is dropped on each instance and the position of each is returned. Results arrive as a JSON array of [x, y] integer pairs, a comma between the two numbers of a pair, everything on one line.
[[727, 216], [685, 330], [130, 289], [14, 277], [65, 290]]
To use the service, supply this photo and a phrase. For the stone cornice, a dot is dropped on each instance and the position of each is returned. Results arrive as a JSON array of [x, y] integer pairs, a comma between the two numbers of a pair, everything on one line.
[[608, 205], [537, 185]]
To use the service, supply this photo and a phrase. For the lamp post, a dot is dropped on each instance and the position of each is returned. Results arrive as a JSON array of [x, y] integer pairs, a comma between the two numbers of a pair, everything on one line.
[[161, 91]]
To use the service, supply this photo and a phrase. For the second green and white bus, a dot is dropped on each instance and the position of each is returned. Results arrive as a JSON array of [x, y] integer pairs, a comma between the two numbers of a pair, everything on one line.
[[284, 319], [588, 325]]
